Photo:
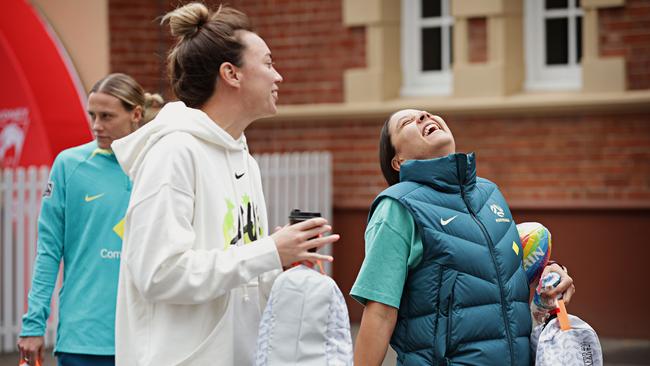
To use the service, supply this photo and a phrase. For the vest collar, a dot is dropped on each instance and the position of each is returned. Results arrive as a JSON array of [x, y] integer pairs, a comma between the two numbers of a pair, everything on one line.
[[445, 174]]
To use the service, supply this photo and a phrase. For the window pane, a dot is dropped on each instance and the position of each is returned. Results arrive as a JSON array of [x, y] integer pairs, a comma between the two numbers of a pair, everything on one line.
[[556, 4], [557, 41], [431, 49], [431, 8], [451, 45], [579, 38]]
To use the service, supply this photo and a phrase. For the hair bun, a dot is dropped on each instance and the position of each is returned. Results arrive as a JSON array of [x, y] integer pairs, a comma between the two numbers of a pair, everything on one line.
[[153, 100], [187, 20]]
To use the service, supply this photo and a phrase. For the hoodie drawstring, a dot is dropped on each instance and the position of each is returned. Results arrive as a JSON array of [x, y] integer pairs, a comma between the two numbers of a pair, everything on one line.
[[246, 296]]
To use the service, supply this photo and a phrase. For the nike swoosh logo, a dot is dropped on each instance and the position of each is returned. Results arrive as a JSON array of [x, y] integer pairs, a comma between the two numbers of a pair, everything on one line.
[[237, 176], [92, 198], [445, 222]]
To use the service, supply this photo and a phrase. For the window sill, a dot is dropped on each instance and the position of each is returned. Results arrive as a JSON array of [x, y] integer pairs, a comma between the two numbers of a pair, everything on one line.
[[560, 103]]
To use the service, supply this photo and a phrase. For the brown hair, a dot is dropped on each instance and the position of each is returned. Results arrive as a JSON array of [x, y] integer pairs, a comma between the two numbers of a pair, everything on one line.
[[122, 87], [130, 93], [386, 154], [206, 39]]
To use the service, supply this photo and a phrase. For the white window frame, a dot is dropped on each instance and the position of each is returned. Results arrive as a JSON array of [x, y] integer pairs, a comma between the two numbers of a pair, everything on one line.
[[540, 76], [415, 81]]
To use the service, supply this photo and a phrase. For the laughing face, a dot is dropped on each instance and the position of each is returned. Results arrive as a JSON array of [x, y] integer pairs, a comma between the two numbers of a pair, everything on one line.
[[419, 135], [260, 82]]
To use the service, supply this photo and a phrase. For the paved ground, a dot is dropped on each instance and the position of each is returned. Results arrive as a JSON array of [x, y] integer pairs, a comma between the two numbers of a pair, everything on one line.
[[617, 352]]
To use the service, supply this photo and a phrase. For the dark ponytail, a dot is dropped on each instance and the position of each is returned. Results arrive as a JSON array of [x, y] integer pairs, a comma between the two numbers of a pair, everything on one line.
[[386, 154]]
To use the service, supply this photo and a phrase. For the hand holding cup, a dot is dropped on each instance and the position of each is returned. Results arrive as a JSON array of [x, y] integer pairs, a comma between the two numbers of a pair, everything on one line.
[[294, 242]]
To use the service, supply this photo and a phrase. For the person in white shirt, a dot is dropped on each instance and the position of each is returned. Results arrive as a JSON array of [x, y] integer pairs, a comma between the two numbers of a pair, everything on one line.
[[197, 260]]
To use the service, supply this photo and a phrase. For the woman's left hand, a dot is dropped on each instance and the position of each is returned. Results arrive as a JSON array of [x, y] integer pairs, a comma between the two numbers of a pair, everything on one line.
[[565, 287]]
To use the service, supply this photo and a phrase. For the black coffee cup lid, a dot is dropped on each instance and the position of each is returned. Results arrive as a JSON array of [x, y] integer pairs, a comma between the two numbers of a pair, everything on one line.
[[296, 213]]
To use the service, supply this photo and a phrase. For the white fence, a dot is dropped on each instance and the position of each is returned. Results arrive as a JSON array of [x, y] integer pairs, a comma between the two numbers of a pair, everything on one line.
[[20, 194], [295, 180]]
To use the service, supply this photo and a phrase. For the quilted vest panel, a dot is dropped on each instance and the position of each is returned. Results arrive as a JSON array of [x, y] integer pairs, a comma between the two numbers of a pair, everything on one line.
[[467, 300]]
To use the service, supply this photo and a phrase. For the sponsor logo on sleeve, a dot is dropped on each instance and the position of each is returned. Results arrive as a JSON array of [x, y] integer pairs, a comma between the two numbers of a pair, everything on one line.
[[47, 193]]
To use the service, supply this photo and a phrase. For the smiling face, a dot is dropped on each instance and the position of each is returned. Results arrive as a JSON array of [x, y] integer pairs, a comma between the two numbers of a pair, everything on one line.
[[259, 77], [419, 135], [109, 119]]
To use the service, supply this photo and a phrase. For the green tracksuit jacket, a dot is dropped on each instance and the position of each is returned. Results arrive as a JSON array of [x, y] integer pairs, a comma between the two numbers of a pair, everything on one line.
[[80, 226]]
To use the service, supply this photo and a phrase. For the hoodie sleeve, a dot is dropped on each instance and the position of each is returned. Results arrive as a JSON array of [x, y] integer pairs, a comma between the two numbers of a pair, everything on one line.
[[267, 279], [160, 249]]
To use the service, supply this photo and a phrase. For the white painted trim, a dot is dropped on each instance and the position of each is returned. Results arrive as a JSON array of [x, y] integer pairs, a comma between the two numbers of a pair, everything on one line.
[[539, 76], [415, 81], [570, 103]]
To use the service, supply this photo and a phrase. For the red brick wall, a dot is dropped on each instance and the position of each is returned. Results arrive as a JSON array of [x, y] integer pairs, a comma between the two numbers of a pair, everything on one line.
[[356, 175], [590, 157], [625, 31], [138, 47], [310, 45]]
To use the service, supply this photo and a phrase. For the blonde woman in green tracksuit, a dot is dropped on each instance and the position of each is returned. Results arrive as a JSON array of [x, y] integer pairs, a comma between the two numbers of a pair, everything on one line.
[[81, 225]]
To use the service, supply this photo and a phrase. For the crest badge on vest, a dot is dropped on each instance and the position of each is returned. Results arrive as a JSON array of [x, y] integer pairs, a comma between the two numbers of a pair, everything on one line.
[[498, 211]]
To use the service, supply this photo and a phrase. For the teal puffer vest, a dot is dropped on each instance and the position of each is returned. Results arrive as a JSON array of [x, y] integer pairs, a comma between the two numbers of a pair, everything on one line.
[[467, 300]]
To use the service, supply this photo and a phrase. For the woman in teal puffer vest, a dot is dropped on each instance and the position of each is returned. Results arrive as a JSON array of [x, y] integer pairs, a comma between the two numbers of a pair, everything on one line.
[[442, 279]]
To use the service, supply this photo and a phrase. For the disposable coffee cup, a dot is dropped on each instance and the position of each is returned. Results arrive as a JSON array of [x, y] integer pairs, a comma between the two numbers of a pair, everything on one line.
[[297, 216]]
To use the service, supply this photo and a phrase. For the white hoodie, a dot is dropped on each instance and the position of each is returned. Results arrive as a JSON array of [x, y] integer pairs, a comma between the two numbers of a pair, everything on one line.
[[196, 264]]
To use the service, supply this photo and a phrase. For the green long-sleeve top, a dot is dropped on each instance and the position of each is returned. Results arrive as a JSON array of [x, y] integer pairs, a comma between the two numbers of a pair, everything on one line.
[[80, 226]]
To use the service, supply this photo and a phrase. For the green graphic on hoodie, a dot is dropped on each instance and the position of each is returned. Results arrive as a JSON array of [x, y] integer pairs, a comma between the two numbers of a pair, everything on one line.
[[228, 224], [248, 226]]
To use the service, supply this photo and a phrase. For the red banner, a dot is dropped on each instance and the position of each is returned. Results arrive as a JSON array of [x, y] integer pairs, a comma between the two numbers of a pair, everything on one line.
[[42, 107]]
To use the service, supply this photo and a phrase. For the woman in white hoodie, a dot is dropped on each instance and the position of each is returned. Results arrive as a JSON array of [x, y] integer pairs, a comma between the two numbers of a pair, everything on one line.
[[197, 260]]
